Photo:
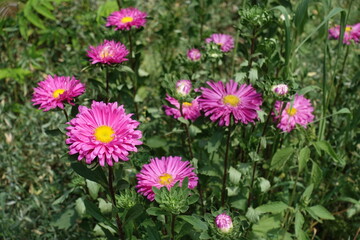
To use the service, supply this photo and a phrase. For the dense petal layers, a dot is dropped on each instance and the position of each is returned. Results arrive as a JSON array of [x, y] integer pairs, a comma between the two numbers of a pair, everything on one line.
[[109, 52], [191, 110], [104, 131], [164, 172], [221, 102], [297, 112], [54, 91], [127, 18], [224, 222], [194, 54], [226, 42], [352, 32]]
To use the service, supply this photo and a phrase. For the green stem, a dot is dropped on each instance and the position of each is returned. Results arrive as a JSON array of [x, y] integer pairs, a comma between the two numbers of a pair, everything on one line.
[[132, 64], [66, 115], [173, 219], [223, 191], [112, 195], [234, 53], [107, 84]]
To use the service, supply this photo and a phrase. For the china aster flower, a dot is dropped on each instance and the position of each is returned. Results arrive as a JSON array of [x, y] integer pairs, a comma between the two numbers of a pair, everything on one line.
[[183, 87], [191, 110], [221, 102], [297, 112], [104, 131], [54, 91], [110, 52], [164, 172], [194, 54], [352, 32], [280, 89], [226, 42], [127, 18], [224, 223]]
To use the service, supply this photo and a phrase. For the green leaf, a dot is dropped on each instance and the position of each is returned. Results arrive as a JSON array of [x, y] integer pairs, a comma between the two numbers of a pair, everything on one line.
[[316, 174], [266, 224], [93, 188], [44, 11], [195, 222], [307, 89], [125, 69], [280, 158], [32, 17], [156, 142], [141, 94], [104, 206], [326, 147], [193, 199], [299, 222], [264, 184], [94, 211], [272, 207], [66, 220], [134, 212], [155, 211], [234, 175], [96, 175], [301, 15], [307, 193], [80, 206], [321, 212], [253, 75], [105, 10], [253, 215], [152, 233], [18, 74], [304, 156]]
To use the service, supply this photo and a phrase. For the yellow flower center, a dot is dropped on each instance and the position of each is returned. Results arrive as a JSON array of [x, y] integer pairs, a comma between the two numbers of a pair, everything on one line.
[[220, 44], [291, 111], [104, 134], [165, 179], [106, 52], [58, 92], [187, 104], [127, 19], [232, 100], [348, 29]]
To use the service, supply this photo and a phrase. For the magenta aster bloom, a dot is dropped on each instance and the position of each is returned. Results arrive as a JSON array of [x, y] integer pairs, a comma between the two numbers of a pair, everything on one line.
[[280, 89], [110, 52], [226, 42], [191, 110], [55, 91], [183, 87], [297, 112], [104, 131], [221, 102], [224, 222], [194, 54], [352, 32], [127, 18], [164, 172]]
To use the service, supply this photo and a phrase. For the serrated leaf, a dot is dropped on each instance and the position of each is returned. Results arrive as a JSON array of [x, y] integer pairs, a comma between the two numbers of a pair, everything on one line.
[[321, 212], [93, 188], [253, 215], [280, 158], [264, 184], [326, 147], [141, 94], [234, 175], [299, 222], [66, 220], [195, 222], [80, 206], [316, 174], [253, 75], [272, 207], [308, 191], [304, 156]]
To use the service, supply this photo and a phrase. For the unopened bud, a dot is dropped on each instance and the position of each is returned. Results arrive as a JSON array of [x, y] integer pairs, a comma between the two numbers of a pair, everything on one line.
[[224, 223], [183, 87], [280, 89]]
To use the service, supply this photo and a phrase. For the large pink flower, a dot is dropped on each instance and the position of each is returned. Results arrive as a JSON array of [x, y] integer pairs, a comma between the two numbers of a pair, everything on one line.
[[297, 112], [226, 42], [164, 172], [352, 32], [104, 131], [54, 91], [191, 110], [127, 18], [110, 52], [221, 102]]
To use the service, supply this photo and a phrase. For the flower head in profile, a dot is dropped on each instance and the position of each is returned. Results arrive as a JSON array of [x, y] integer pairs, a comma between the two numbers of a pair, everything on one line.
[[297, 112], [232, 100], [280, 89], [164, 172], [194, 54], [104, 131], [224, 222], [226, 42], [183, 87], [109, 52], [352, 32], [191, 111], [127, 18], [54, 91]]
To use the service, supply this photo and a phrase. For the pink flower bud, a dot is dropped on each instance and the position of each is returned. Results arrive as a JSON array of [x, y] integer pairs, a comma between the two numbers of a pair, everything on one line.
[[280, 89], [194, 54], [183, 87], [224, 223]]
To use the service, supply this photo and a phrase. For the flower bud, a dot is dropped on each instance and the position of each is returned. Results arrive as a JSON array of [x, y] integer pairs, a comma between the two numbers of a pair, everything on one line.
[[183, 87], [280, 89], [224, 223], [194, 54]]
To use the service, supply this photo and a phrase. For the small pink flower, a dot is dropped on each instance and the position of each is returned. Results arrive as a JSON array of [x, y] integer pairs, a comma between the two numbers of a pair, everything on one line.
[[103, 131], [224, 222], [223, 102], [183, 87], [127, 18], [110, 52], [352, 32], [164, 172], [54, 91], [297, 112], [226, 42], [191, 110], [194, 54], [280, 89]]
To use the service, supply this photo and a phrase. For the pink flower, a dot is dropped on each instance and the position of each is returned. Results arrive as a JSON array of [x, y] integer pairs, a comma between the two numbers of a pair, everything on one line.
[[224, 222], [280, 89], [164, 172], [127, 18], [221, 102], [110, 52], [104, 131], [352, 32], [55, 91], [297, 112], [226, 42], [194, 54], [191, 110], [183, 87]]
